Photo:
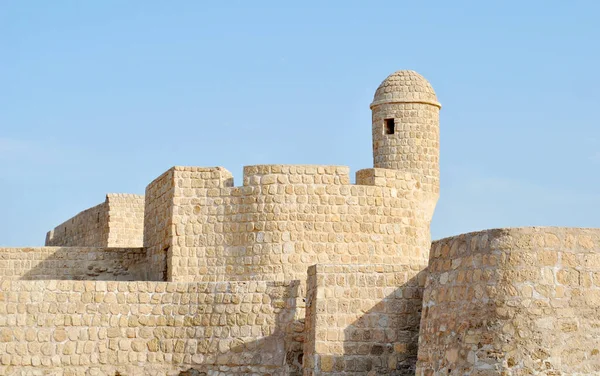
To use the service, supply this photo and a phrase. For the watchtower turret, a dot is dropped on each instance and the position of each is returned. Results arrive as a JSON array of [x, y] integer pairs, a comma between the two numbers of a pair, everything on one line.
[[405, 113]]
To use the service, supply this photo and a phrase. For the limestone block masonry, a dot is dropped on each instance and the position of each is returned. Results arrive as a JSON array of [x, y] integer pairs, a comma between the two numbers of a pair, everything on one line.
[[298, 271], [117, 222], [513, 301]]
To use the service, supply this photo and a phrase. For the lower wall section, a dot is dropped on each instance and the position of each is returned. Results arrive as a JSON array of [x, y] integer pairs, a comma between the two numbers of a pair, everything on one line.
[[362, 319], [73, 263], [145, 328], [522, 301]]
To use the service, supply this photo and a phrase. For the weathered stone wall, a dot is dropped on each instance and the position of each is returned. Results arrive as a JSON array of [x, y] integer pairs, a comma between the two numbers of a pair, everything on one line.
[[414, 147], [286, 218], [362, 319], [217, 244], [74, 263], [87, 229], [158, 224], [117, 222], [513, 301], [199, 222], [410, 143], [125, 220], [144, 328]]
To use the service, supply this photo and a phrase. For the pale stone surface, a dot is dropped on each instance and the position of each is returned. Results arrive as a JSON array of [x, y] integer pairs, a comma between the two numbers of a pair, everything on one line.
[[117, 222], [407, 99], [513, 301], [124, 264], [363, 318], [271, 230], [138, 327]]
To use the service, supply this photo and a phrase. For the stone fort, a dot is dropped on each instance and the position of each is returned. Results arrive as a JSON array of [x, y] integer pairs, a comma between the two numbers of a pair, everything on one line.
[[298, 271]]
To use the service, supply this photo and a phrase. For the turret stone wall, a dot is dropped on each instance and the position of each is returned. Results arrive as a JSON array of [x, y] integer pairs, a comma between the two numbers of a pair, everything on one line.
[[406, 129]]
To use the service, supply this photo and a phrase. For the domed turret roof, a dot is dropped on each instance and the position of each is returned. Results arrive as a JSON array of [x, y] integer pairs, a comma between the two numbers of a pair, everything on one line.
[[405, 86]]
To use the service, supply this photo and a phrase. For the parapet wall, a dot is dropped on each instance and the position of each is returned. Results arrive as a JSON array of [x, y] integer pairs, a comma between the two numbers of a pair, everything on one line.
[[513, 301], [362, 319], [117, 222], [145, 328], [282, 220], [73, 263], [87, 229]]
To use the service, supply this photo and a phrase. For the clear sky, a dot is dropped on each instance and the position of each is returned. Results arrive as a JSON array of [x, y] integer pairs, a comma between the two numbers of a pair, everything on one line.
[[103, 96]]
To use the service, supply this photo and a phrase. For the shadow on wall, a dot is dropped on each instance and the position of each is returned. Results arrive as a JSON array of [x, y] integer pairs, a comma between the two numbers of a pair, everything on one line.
[[385, 339], [237, 328], [382, 341], [72, 263], [279, 353]]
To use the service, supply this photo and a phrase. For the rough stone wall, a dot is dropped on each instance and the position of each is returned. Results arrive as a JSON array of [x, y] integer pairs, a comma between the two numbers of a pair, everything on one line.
[[414, 146], [513, 302], [73, 263], [87, 229], [144, 328], [125, 220], [362, 319], [286, 218], [158, 224], [117, 222], [198, 216]]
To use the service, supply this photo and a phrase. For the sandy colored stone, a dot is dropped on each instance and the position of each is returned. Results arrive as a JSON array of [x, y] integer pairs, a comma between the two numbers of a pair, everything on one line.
[[296, 270]]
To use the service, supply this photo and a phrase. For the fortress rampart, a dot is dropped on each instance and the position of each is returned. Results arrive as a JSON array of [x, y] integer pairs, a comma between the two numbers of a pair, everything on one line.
[[513, 301], [87, 229], [144, 328], [284, 219], [117, 222], [298, 271]]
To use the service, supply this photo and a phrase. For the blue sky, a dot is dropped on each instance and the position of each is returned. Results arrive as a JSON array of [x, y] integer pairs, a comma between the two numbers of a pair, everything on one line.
[[104, 96]]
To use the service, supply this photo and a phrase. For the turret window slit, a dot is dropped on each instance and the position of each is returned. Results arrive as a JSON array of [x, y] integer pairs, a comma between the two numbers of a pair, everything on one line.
[[388, 126]]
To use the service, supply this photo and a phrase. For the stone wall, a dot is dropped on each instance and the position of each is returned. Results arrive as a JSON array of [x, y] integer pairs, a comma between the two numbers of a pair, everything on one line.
[[362, 319], [158, 224], [117, 222], [284, 219], [87, 229], [73, 263], [513, 301], [145, 328], [201, 231], [125, 220], [414, 147], [176, 202]]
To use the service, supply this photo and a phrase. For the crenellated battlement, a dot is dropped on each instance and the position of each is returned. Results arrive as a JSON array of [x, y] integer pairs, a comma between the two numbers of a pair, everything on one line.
[[203, 177], [284, 218], [295, 174]]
